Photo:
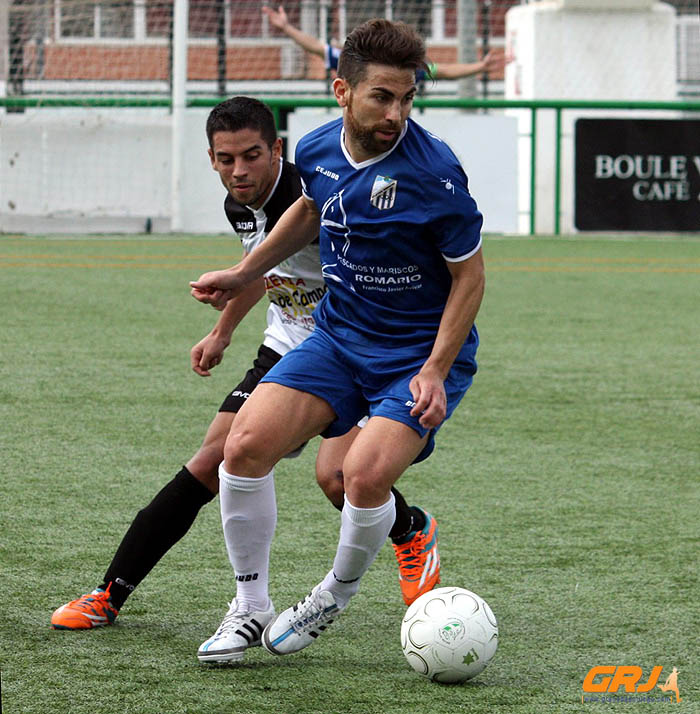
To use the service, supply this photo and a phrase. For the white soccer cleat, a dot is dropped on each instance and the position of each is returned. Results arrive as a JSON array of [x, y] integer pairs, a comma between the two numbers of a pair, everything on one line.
[[298, 626], [240, 629]]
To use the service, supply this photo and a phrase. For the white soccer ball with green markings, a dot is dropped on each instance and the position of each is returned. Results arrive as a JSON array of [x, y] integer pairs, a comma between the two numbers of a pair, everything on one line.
[[449, 635]]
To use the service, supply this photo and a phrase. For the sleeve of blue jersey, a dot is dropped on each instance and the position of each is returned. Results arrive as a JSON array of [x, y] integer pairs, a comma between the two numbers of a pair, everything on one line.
[[452, 209], [300, 164], [458, 225]]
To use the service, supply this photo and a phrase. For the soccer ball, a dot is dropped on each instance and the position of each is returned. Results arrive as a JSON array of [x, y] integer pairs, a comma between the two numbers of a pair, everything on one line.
[[449, 635]]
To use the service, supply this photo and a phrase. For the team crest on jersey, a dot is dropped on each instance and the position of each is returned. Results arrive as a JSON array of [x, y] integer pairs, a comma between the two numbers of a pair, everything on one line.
[[383, 192]]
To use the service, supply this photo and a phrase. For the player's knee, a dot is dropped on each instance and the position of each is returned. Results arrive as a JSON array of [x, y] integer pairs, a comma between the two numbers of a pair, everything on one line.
[[366, 488], [204, 466], [208, 477], [331, 482], [246, 454]]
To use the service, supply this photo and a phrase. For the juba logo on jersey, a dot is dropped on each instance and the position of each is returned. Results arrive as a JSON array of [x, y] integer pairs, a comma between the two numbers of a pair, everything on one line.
[[383, 192]]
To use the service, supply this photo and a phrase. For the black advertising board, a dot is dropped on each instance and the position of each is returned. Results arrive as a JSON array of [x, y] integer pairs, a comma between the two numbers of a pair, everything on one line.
[[637, 175]]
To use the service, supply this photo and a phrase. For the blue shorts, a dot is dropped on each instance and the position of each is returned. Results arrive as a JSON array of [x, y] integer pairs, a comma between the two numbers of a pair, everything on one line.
[[356, 384]]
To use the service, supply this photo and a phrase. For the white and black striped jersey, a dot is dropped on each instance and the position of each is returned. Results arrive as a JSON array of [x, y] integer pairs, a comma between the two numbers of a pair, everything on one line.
[[295, 286]]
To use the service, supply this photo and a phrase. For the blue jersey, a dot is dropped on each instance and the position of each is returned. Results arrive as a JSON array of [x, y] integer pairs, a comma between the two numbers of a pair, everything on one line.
[[388, 226]]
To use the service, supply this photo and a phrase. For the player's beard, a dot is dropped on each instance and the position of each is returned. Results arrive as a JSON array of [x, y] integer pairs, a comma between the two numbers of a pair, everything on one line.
[[365, 136]]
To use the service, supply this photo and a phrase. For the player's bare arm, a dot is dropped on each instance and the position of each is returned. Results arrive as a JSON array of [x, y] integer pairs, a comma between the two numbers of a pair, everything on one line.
[[494, 61], [297, 227], [278, 18], [462, 305], [209, 351]]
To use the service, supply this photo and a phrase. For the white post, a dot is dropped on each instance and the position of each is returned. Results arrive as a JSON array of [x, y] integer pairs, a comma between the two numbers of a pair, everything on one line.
[[323, 20], [466, 36], [308, 23], [140, 20], [179, 100], [4, 36], [308, 19], [342, 21], [438, 20]]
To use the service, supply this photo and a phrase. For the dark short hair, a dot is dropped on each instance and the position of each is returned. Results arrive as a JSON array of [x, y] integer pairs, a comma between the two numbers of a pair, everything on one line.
[[380, 41], [242, 113]]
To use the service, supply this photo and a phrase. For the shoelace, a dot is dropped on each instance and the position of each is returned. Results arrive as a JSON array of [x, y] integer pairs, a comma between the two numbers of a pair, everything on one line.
[[309, 613], [232, 620], [86, 601], [413, 557]]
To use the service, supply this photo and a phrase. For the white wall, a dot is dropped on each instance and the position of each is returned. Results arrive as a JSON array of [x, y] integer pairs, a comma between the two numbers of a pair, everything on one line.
[[109, 171], [79, 170], [203, 206]]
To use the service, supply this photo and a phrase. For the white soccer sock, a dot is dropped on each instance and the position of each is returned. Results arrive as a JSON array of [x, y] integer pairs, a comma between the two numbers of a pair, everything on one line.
[[362, 534], [249, 516]]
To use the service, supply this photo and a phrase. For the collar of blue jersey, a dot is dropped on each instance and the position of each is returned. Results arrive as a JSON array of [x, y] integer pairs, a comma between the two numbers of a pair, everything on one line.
[[375, 159]]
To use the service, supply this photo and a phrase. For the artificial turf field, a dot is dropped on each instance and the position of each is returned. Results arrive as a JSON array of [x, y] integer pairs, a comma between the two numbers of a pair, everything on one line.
[[566, 485]]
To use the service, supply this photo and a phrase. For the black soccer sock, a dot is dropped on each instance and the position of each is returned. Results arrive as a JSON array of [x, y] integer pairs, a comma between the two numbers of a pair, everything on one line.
[[408, 519], [155, 530]]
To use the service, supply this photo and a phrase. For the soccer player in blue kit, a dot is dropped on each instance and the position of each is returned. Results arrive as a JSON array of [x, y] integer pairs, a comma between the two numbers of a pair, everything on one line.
[[400, 240]]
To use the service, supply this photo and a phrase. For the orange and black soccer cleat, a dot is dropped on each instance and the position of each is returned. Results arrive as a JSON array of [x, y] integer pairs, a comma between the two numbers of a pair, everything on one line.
[[93, 609], [419, 561]]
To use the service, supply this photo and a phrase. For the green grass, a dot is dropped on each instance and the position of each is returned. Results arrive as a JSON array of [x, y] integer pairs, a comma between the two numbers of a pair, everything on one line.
[[566, 485]]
